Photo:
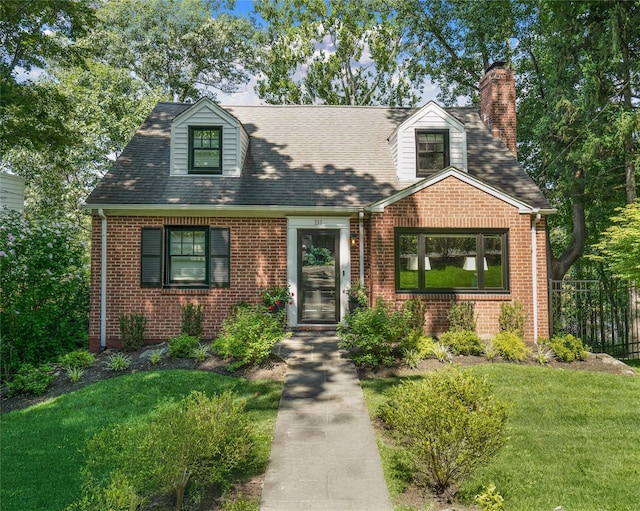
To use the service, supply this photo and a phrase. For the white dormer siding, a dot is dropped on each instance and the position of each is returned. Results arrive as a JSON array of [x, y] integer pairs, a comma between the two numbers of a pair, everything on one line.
[[235, 139], [430, 117]]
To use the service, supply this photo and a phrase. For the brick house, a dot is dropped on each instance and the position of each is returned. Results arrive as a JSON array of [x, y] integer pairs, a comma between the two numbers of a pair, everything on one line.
[[211, 204]]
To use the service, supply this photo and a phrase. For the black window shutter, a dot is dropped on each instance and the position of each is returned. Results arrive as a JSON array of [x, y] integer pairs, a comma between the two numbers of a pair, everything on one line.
[[151, 257], [219, 258]]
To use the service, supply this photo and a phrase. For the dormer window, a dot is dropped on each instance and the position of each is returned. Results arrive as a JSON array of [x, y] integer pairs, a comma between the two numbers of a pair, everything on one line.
[[432, 151], [205, 149]]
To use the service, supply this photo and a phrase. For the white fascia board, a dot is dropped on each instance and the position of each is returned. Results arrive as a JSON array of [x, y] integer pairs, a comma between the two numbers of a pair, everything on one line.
[[205, 103], [218, 210], [378, 207]]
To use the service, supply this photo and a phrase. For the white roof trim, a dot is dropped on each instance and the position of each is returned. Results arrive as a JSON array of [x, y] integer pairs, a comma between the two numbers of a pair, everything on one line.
[[431, 106], [201, 104], [378, 207]]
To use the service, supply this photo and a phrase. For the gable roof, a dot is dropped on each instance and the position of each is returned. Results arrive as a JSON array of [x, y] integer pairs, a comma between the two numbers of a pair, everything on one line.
[[298, 157]]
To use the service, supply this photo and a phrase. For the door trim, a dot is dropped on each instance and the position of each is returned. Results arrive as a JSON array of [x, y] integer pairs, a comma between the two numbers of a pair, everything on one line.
[[341, 224]]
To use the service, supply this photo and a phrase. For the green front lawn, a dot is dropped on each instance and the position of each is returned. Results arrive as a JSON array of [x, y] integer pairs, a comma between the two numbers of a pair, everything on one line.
[[41, 447], [574, 440]]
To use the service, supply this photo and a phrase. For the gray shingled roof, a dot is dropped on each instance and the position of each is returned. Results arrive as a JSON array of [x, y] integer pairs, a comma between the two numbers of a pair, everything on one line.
[[299, 156]]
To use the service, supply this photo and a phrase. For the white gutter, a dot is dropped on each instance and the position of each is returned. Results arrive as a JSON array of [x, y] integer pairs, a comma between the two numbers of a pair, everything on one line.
[[103, 282], [534, 272], [361, 236]]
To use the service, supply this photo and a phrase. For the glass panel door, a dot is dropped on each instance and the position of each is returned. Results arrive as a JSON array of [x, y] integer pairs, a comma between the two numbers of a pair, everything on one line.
[[318, 276]]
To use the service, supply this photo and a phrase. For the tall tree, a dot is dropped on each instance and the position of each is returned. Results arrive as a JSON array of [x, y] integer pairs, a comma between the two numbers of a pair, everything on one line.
[[177, 46], [577, 75], [337, 52], [31, 32]]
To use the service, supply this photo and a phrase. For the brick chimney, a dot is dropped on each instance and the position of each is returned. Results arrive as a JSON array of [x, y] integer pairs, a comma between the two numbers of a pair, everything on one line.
[[498, 104]]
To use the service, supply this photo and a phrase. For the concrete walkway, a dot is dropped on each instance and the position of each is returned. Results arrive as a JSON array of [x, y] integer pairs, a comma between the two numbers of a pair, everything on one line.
[[324, 455]]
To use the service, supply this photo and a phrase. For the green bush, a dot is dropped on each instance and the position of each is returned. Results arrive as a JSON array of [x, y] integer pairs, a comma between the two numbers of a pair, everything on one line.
[[462, 342], [31, 380], [118, 362], [200, 440], [424, 345], [512, 318], [490, 499], [132, 327], [568, 348], [75, 373], [118, 495], [182, 346], [44, 277], [416, 310], [370, 334], [450, 424], [510, 346], [192, 320], [79, 358], [462, 316], [248, 335]]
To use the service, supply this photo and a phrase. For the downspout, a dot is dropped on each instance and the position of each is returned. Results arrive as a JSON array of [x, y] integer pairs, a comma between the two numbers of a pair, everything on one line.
[[103, 282], [534, 272], [361, 236]]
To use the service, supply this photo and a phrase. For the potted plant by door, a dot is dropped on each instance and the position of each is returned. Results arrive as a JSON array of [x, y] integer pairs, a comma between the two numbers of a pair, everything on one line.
[[357, 295], [276, 299]]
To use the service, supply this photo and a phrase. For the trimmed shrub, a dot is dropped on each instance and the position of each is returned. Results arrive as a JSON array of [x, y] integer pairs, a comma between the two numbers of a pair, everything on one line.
[[182, 346], [512, 318], [31, 380], [510, 346], [450, 424], [132, 327], [370, 334], [424, 345], [462, 317], [248, 335], [77, 359], [199, 439], [462, 342], [568, 348], [192, 320]]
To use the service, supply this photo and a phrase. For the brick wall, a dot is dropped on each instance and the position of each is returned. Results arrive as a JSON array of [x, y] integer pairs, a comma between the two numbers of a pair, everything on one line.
[[258, 261], [452, 203]]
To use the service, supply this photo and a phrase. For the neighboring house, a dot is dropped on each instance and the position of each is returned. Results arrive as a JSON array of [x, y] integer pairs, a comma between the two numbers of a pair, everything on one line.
[[211, 204], [11, 192]]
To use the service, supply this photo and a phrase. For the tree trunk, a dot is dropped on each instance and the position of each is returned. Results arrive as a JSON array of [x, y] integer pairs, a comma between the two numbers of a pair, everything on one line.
[[559, 266]]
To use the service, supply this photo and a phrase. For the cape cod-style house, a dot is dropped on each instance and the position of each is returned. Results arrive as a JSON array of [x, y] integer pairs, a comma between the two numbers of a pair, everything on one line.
[[211, 204]]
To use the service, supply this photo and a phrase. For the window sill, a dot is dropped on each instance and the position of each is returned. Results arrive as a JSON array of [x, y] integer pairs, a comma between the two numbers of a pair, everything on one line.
[[487, 296]]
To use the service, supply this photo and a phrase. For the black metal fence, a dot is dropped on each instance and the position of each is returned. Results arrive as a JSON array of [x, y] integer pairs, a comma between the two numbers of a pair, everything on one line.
[[605, 315]]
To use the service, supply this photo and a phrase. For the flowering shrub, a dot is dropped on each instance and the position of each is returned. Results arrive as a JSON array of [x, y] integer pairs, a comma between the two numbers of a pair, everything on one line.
[[44, 304], [276, 297]]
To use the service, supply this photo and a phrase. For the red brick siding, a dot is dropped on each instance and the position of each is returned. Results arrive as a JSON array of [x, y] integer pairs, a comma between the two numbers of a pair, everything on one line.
[[452, 203], [258, 260], [498, 105]]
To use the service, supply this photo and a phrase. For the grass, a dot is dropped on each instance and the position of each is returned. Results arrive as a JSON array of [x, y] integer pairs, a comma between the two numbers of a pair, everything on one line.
[[574, 440], [41, 447]]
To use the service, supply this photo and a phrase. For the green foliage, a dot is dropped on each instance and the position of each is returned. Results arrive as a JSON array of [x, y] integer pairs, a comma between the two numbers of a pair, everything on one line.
[[568, 348], [411, 358], [182, 346], [117, 495], [44, 304], [370, 333], [441, 352], [358, 294], [424, 345], [319, 256], [200, 352], [619, 249], [75, 373], [345, 75], [490, 499], [274, 297], [118, 362], [240, 504], [192, 320], [512, 318], [31, 380], [132, 328], [450, 423], [199, 440], [155, 356], [248, 335], [462, 342], [416, 310], [543, 353], [461, 317], [81, 358], [510, 346], [490, 351]]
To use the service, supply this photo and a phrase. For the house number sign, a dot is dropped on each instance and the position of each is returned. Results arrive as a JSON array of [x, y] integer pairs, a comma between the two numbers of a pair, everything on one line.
[[318, 221]]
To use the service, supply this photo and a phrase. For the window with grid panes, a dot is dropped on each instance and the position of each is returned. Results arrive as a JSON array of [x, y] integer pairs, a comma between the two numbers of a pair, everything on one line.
[[432, 151]]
